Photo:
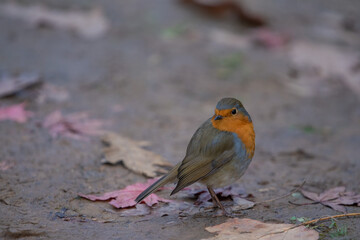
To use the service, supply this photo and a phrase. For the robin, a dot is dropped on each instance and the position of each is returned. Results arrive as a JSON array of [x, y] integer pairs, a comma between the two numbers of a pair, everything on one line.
[[218, 153]]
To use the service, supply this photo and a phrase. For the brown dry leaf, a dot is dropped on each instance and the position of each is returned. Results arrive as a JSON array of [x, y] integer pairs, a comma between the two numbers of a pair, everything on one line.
[[133, 157], [249, 229], [87, 24]]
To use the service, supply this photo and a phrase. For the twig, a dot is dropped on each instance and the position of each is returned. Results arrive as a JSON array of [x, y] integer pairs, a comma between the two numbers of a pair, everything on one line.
[[284, 196], [330, 217], [315, 221]]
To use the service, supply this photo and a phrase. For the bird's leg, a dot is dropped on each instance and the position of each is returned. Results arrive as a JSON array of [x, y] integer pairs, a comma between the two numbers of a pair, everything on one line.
[[217, 201], [215, 198]]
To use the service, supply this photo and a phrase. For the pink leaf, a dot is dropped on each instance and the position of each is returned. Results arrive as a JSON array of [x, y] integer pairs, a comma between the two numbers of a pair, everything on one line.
[[124, 198], [335, 206], [15, 113], [332, 193], [76, 125], [310, 195], [334, 198]]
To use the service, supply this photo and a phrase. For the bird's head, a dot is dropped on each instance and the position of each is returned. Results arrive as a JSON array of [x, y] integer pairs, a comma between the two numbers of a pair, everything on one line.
[[231, 116], [229, 113]]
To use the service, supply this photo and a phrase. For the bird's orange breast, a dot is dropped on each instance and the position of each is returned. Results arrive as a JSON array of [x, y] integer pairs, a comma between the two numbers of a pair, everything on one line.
[[242, 127]]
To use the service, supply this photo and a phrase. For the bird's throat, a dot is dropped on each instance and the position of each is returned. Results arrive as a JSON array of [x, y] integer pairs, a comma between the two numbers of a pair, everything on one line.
[[243, 129]]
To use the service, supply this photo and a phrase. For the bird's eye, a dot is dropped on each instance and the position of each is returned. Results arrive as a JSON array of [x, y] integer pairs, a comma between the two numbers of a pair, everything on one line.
[[234, 111]]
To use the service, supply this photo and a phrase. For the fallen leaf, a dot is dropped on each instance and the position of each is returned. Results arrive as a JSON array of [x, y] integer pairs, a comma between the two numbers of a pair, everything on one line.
[[133, 157], [75, 125], [322, 69], [15, 113], [89, 24], [233, 191], [334, 198], [220, 8], [241, 204], [10, 85], [126, 197], [249, 229]]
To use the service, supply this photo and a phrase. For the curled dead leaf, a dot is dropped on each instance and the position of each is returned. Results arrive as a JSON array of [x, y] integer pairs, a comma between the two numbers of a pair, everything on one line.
[[249, 229], [334, 198], [133, 157]]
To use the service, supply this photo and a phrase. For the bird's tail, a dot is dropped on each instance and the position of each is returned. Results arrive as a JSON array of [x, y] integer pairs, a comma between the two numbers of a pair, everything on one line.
[[170, 177]]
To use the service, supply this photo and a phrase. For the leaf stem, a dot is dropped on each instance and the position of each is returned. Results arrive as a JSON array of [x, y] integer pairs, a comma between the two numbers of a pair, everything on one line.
[[315, 221]]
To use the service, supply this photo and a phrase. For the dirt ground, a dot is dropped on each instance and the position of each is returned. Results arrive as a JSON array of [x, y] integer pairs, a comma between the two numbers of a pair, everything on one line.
[[167, 83]]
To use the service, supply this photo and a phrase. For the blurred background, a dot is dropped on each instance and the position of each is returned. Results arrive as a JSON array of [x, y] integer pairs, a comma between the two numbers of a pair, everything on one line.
[[154, 71]]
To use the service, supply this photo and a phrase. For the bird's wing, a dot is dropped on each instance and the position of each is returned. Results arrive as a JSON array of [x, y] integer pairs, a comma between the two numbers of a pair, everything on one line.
[[208, 150]]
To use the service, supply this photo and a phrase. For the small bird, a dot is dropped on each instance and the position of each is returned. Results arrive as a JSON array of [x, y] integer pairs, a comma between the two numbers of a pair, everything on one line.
[[218, 153]]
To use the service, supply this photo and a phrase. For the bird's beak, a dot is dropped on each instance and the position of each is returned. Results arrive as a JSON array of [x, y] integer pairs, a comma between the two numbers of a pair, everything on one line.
[[218, 117]]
